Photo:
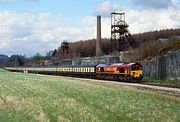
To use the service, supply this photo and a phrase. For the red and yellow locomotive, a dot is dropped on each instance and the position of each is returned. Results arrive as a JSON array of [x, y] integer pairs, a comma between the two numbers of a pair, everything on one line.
[[120, 71]]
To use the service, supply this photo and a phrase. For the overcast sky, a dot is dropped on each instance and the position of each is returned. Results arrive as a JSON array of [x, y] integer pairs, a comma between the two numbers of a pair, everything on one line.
[[31, 26]]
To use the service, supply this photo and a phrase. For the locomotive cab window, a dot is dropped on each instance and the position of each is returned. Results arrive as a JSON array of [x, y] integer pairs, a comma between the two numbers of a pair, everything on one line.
[[102, 69], [136, 67], [121, 70]]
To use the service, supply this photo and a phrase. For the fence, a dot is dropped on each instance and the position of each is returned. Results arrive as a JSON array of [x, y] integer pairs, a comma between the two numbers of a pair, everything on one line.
[[164, 68]]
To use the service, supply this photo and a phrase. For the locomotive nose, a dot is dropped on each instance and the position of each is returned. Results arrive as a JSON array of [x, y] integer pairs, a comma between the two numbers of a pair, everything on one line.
[[137, 74]]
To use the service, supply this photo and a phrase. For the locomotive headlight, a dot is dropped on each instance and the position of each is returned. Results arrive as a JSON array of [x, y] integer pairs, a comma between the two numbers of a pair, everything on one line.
[[133, 73]]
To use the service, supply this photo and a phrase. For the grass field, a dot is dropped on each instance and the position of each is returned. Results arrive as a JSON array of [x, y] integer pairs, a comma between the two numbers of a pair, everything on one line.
[[27, 97]]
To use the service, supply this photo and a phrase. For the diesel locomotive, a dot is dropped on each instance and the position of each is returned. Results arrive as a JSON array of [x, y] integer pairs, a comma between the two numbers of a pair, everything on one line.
[[119, 71]]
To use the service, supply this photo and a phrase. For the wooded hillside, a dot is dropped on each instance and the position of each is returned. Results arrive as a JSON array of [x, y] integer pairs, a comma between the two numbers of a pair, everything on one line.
[[148, 41]]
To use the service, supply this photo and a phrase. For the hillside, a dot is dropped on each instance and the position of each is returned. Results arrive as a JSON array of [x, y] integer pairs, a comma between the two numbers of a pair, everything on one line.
[[151, 44]]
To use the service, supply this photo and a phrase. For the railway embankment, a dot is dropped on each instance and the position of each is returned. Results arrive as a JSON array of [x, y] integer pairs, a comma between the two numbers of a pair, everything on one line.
[[164, 68]]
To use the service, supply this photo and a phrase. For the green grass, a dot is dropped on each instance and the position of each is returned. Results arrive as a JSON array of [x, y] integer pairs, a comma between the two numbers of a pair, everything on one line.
[[162, 82], [27, 97]]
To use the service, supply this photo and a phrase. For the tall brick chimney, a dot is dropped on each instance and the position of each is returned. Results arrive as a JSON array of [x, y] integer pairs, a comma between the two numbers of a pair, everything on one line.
[[98, 40]]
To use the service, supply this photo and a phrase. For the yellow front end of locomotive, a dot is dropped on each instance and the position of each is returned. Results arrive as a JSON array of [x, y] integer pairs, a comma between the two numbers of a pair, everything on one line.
[[137, 74]]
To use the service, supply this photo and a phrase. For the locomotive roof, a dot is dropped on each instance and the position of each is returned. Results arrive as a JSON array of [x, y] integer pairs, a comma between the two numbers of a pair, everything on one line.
[[117, 64], [102, 65], [124, 64]]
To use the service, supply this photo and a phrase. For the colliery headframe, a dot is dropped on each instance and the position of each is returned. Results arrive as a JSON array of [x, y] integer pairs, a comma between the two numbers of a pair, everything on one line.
[[119, 34], [119, 31]]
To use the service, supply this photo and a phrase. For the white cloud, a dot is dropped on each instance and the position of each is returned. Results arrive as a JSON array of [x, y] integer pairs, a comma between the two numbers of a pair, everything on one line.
[[89, 20], [105, 25], [147, 19], [24, 33], [105, 8], [3, 45]]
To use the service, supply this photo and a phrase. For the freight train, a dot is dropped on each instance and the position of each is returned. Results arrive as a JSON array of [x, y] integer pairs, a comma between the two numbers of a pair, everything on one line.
[[119, 71]]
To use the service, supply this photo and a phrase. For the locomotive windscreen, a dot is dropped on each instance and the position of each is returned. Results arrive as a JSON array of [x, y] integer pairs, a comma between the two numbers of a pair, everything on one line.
[[136, 67]]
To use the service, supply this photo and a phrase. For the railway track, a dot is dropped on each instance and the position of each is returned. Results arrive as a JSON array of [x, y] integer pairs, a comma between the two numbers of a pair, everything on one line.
[[166, 90], [162, 85]]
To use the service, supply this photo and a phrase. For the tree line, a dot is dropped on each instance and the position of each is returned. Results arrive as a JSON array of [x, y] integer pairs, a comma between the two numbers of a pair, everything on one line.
[[22, 60]]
